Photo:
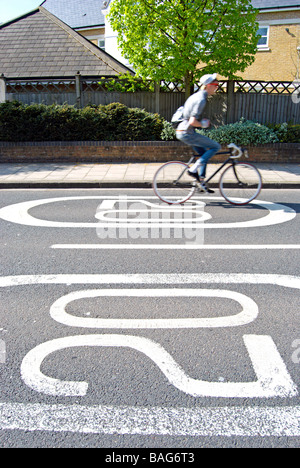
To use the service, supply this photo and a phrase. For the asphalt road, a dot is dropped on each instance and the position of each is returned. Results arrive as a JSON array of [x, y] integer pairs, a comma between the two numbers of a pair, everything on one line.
[[124, 323]]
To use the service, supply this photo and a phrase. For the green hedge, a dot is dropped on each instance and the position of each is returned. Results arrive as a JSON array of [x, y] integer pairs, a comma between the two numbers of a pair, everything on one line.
[[245, 132], [287, 132], [113, 122], [116, 122]]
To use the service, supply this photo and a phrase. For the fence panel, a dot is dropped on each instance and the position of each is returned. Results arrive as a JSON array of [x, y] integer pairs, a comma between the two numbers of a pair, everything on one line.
[[169, 102], [43, 98], [265, 102], [266, 108], [42, 91], [143, 100]]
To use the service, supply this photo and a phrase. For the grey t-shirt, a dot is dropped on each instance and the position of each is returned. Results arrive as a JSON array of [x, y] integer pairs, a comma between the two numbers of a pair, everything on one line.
[[193, 107]]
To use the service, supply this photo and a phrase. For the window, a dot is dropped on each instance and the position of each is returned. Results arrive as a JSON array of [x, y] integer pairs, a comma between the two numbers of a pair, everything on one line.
[[101, 43], [263, 32]]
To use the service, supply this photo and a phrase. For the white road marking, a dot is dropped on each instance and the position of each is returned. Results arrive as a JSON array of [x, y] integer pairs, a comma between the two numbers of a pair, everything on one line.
[[248, 314], [2, 351], [273, 379], [212, 421], [18, 213], [225, 421], [177, 246], [288, 281], [192, 211]]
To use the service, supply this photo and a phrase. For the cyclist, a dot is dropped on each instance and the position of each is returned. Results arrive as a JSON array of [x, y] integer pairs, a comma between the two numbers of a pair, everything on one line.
[[185, 132]]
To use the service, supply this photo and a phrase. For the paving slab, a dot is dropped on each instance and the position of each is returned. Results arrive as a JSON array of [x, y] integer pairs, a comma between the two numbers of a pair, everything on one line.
[[120, 175]]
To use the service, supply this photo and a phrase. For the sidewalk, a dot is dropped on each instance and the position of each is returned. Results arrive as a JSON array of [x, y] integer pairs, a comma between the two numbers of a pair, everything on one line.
[[133, 175]]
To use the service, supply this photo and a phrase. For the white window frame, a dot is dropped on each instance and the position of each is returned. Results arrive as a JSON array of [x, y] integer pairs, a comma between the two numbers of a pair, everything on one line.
[[101, 39], [266, 45]]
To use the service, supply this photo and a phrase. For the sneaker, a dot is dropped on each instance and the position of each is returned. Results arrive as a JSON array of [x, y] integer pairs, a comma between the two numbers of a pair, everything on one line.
[[195, 175], [204, 187]]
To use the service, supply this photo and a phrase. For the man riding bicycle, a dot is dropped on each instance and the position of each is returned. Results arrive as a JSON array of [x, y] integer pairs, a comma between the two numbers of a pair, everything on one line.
[[185, 132]]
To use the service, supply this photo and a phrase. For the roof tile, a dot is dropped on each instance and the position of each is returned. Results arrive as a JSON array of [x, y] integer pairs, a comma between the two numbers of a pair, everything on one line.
[[77, 13], [41, 38]]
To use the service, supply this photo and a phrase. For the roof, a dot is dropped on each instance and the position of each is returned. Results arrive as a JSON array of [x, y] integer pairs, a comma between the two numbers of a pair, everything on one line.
[[78, 13], [88, 13], [275, 4], [39, 44]]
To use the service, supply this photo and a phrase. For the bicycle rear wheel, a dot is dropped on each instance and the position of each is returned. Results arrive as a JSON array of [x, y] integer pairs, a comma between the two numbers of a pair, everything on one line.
[[240, 183], [171, 183]]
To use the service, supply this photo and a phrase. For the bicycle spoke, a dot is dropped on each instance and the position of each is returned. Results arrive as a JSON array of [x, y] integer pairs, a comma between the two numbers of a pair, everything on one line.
[[240, 183], [171, 183]]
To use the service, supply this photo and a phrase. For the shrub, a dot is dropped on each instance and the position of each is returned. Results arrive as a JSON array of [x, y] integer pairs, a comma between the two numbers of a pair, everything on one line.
[[168, 131], [38, 122], [244, 132], [286, 132], [293, 134], [130, 124]]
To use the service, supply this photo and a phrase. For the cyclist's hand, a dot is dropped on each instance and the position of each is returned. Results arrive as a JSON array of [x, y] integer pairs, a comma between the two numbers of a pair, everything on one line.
[[205, 123]]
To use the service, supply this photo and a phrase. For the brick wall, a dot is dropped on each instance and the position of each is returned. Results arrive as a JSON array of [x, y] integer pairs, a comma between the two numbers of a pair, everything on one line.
[[102, 151], [279, 62]]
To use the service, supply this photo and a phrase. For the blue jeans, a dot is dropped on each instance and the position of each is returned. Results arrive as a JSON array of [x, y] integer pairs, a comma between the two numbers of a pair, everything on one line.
[[202, 145]]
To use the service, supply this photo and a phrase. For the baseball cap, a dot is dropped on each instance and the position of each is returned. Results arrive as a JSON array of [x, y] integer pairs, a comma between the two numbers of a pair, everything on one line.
[[207, 79]]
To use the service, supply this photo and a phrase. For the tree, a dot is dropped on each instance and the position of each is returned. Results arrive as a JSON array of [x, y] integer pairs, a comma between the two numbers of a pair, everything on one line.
[[180, 40]]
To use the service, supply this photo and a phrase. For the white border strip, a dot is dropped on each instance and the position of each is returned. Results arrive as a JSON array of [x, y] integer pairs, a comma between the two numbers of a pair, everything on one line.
[[211, 421], [177, 246], [288, 281]]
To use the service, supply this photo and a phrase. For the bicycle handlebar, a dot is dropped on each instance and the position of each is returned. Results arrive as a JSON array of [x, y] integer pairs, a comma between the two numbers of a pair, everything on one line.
[[236, 152]]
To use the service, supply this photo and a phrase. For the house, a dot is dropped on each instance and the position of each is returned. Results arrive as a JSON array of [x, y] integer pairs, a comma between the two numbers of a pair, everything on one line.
[[84, 16], [39, 44], [84, 23], [88, 18], [278, 50]]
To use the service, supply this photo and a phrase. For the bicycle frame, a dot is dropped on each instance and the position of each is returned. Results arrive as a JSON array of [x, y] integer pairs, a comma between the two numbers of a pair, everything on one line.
[[194, 157], [232, 161], [240, 179]]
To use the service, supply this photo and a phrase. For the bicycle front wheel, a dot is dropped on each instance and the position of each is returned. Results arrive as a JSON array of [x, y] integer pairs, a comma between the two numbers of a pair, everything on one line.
[[171, 183], [240, 183]]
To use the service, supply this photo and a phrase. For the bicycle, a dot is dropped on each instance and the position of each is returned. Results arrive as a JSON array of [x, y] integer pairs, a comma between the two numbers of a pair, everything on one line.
[[239, 184]]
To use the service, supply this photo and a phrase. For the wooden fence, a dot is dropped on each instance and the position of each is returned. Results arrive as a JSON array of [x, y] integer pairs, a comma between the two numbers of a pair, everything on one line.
[[265, 102]]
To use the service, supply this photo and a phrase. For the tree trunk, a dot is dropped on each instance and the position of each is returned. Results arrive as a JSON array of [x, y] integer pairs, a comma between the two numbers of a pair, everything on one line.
[[188, 85]]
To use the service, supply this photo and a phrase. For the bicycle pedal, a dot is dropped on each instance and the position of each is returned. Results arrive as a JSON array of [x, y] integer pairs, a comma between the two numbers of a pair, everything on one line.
[[199, 188]]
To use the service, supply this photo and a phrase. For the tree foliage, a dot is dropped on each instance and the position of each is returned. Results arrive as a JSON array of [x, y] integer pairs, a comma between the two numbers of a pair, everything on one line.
[[168, 39]]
